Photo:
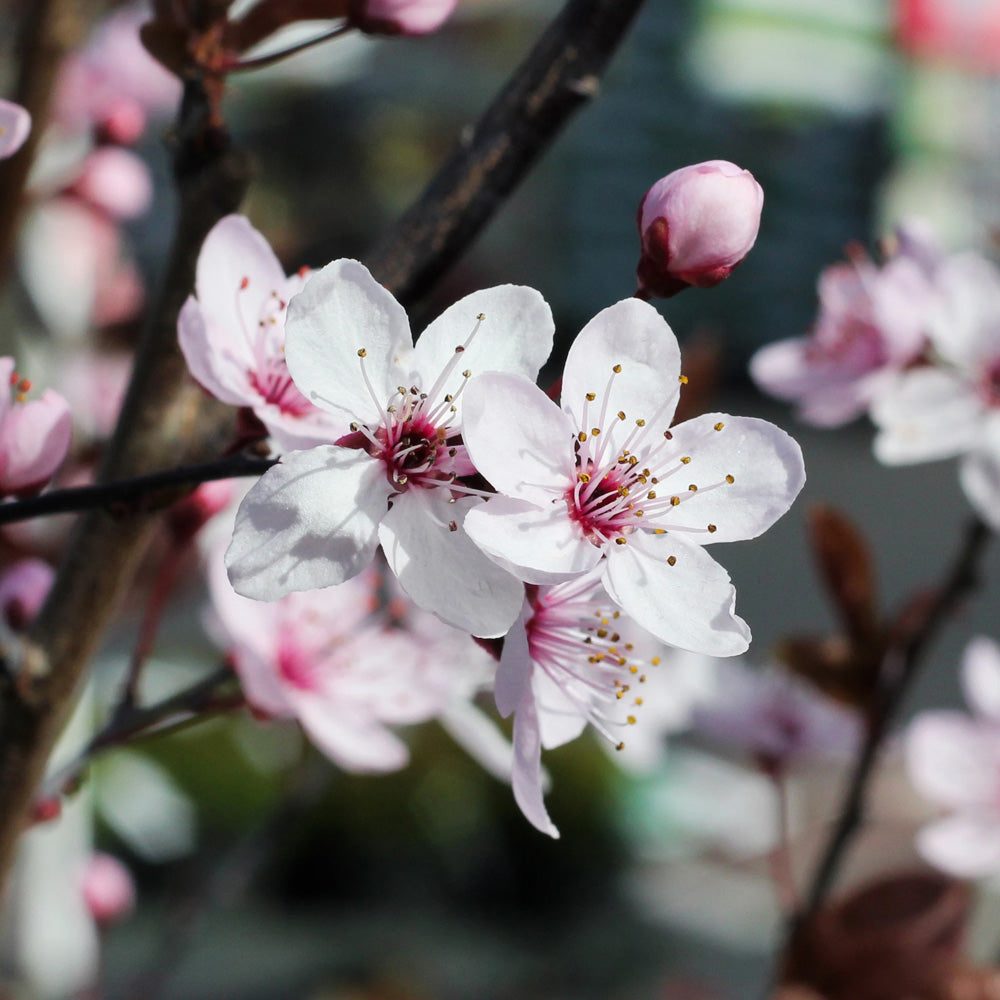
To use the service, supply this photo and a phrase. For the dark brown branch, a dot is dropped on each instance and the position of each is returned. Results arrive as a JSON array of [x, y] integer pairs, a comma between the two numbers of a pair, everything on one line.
[[139, 492], [899, 668], [560, 74]]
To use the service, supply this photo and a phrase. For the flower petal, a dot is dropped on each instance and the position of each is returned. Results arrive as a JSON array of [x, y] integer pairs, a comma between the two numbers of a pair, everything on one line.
[[979, 474], [527, 778], [513, 678], [764, 462], [515, 336], [310, 522], [966, 845], [15, 124], [218, 361], [518, 438], [981, 678], [688, 604], [236, 272], [34, 439], [538, 544], [632, 334], [953, 759], [341, 311], [927, 414], [442, 570]]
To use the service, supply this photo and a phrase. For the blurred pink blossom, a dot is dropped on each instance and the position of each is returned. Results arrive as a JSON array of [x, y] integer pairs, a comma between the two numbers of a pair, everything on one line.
[[872, 324], [954, 760], [116, 181], [15, 124], [23, 588], [773, 716], [696, 224], [34, 434], [108, 889], [400, 17]]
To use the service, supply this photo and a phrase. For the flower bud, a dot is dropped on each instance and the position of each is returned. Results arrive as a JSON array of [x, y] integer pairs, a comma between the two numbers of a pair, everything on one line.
[[23, 589], [696, 225], [15, 124], [400, 17], [108, 889]]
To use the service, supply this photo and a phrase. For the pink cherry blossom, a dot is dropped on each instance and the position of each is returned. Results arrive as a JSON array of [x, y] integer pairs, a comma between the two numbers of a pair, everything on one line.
[[871, 325], [400, 17], [773, 716], [23, 589], [319, 657], [954, 760], [34, 434], [15, 124], [232, 333], [696, 224], [606, 480], [317, 518], [115, 181], [952, 407], [108, 889], [566, 662]]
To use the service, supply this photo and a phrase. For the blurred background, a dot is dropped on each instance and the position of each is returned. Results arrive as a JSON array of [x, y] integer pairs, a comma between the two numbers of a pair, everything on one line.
[[262, 872]]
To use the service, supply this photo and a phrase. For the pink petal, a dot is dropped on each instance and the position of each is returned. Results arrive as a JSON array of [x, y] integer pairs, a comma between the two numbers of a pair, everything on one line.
[[526, 778], [953, 759], [15, 124], [34, 439], [981, 678], [966, 845]]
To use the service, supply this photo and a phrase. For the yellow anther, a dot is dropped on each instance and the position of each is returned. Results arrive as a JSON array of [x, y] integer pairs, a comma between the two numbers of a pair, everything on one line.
[[685, 459], [638, 701], [633, 669], [671, 560], [619, 541], [481, 317], [730, 480], [712, 529], [591, 396], [584, 477], [617, 369], [467, 373], [693, 488], [655, 661], [595, 431], [674, 501], [631, 720], [619, 746], [640, 423], [719, 426], [621, 414], [683, 379], [651, 495], [362, 353], [581, 437]]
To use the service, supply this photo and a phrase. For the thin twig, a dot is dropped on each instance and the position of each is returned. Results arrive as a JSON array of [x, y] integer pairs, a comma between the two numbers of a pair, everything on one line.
[[138, 490], [899, 668]]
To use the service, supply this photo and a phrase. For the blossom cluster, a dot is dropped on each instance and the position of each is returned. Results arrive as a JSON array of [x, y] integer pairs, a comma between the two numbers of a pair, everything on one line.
[[550, 531], [913, 342]]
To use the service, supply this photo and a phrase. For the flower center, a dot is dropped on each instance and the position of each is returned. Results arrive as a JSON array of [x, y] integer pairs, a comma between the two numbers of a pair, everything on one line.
[[573, 638]]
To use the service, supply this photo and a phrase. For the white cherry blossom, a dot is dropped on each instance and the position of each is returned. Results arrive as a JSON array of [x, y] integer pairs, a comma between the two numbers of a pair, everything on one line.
[[317, 518], [606, 480]]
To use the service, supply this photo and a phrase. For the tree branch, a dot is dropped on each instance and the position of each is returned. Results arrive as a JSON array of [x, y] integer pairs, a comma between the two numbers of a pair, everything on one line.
[[900, 666]]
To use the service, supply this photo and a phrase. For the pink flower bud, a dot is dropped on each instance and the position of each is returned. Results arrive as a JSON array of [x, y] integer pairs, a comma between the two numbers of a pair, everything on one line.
[[400, 17], [15, 124], [696, 225], [108, 889], [34, 435], [23, 588], [116, 181]]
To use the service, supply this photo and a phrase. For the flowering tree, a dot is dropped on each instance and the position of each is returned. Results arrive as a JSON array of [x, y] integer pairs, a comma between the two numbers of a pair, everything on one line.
[[398, 529]]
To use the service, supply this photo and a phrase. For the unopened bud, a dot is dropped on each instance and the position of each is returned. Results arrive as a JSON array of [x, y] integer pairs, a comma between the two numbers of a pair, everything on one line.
[[400, 17], [696, 225], [108, 889]]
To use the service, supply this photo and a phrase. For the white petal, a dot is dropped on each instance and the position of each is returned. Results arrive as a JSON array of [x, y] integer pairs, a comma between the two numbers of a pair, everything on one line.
[[966, 845], [361, 745], [236, 272], [953, 759], [632, 334], [979, 474], [342, 310], [518, 438], [219, 363], [513, 679], [539, 544], [527, 779], [766, 466], [515, 337], [15, 124], [981, 678], [476, 733], [926, 414], [442, 570], [963, 326], [310, 522], [559, 716], [689, 604]]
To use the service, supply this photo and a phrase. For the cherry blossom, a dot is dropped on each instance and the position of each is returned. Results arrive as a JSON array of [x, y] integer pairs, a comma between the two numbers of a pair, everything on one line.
[[24, 586], [605, 480], [317, 518], [952, 407], [34, 434], [954, 760], [696, 225], [400, 17], [108, 889], [773, 716], [232, 333], [316, 657], [15, 124], [566, 662], [872, 324]]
